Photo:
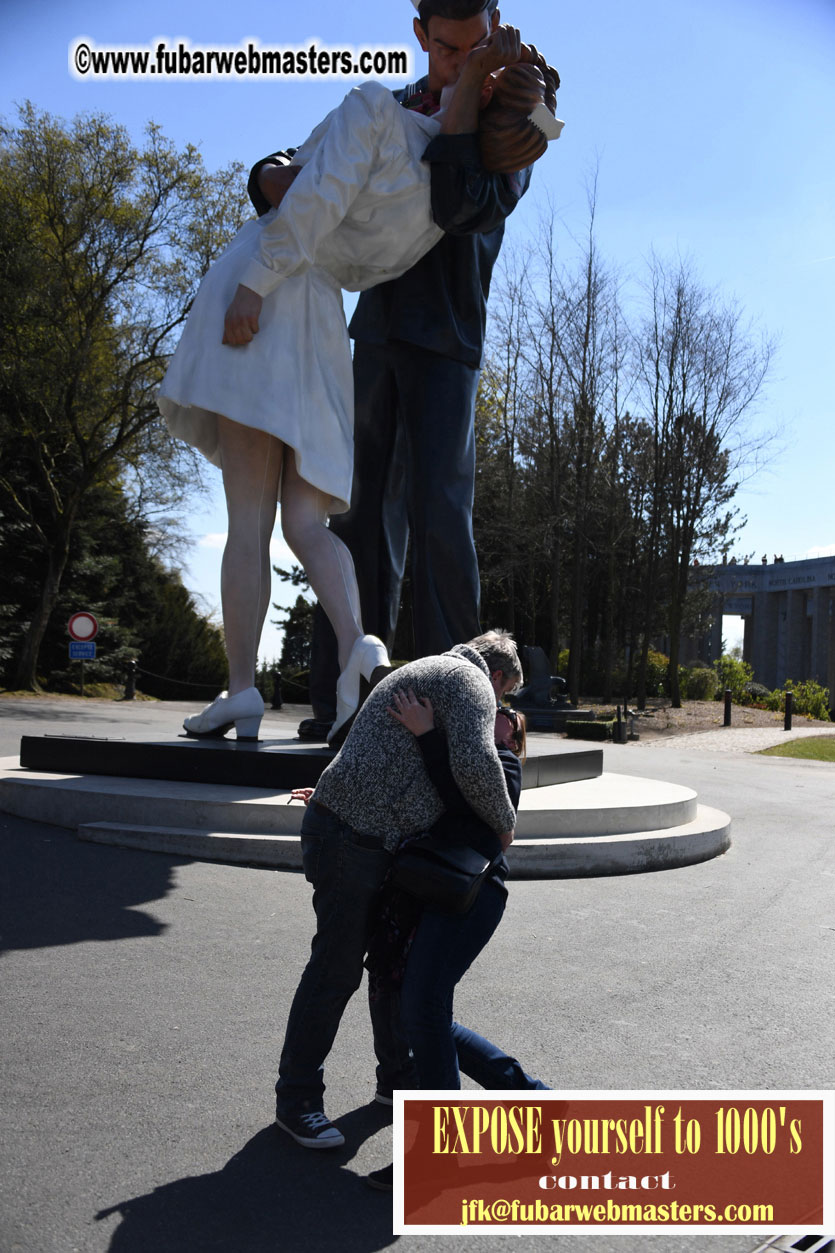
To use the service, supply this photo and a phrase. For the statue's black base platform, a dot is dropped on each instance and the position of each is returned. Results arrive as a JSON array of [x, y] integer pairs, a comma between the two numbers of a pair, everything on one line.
[[552, 717], [278, 764]]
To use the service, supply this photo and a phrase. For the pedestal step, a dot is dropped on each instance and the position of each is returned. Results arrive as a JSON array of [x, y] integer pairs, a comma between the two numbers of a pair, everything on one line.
[[566, 857], [614, 824]]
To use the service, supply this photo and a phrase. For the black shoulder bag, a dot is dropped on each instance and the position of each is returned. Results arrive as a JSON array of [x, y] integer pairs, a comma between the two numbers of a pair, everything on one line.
[[446, 876]]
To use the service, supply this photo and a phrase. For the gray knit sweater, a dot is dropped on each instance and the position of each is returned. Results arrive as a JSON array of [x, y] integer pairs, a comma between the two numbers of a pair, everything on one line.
[[377, 783]]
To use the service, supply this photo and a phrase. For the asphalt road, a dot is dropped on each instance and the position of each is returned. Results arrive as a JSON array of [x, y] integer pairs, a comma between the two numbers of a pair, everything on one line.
[[145, 998]]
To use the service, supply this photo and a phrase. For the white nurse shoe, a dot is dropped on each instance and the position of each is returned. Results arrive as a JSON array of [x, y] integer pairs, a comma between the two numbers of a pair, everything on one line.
[[244, 709], [368, 660]]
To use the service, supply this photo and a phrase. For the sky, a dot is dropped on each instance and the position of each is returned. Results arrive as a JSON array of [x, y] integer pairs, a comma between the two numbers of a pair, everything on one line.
[[710, 123]]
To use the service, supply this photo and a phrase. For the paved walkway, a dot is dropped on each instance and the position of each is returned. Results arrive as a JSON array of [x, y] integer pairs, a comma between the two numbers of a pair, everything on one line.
[[735, 739], [147, 997], [150, 720]]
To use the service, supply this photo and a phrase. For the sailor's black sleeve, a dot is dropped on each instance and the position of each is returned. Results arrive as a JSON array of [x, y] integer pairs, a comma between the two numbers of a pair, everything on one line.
[[435, 753], [466, 198], [259, 200]]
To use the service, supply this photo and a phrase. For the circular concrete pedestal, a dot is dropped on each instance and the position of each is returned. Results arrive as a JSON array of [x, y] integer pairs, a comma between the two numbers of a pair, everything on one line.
[[614, 824]]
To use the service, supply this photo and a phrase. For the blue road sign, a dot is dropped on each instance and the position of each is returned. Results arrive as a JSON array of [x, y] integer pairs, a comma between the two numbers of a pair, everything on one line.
[[82, 650]]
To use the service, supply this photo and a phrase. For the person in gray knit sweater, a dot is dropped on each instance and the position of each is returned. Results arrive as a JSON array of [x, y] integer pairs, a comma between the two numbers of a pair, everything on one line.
[[375, 792]]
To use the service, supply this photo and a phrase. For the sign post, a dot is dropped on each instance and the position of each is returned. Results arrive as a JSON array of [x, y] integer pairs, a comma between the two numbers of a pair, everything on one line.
[[83, 627]]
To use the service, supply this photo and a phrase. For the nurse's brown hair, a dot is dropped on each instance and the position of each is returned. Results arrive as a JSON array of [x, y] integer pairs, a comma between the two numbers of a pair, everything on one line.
[[509, 142]]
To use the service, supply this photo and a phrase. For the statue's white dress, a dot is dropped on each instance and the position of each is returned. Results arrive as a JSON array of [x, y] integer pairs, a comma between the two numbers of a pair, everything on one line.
[[358, 214]]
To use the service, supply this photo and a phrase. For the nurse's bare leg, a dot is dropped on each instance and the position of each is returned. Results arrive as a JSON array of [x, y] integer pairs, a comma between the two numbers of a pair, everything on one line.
[[330, 569], [326, 560], [251, 461]]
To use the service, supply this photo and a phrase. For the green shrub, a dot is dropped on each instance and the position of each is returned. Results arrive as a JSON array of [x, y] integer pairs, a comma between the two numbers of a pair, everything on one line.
[[577, 729], [697, 682], [808, 697], [811, 699], [734, 674], [756, 693], [657, 667]]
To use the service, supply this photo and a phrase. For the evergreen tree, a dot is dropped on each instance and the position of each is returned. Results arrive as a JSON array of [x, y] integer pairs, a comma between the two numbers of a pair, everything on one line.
[[298, 636]]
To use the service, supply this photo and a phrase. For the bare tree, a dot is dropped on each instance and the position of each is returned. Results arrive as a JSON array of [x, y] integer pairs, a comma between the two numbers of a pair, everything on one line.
[[701, 371], [502, 410], [572, 344], [615, 432]]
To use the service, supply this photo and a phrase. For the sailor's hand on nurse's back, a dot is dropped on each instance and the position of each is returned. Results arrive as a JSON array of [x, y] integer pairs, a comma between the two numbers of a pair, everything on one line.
[[240, 325], [276, 180]]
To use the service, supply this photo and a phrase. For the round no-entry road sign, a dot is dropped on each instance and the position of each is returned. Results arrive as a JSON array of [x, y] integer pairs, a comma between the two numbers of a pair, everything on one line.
[[83, 626]]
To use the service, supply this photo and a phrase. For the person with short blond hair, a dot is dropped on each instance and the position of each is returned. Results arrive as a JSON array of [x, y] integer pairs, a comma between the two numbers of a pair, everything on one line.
[[374, 793]]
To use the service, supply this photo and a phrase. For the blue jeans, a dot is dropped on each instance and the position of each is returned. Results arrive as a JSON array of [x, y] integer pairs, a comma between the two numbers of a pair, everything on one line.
[[346, 870], [443, 949]]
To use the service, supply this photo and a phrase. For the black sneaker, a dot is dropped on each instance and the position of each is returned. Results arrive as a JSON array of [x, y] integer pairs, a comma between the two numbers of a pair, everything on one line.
[[382, 1180], [384, 1096], [313, 1130]]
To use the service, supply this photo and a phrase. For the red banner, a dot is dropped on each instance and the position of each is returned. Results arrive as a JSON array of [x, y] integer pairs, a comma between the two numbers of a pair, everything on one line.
[[621, 1160]]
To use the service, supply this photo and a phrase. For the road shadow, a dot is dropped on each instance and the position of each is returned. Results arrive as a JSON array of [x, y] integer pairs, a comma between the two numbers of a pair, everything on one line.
[[271, 1197], [56, 889]]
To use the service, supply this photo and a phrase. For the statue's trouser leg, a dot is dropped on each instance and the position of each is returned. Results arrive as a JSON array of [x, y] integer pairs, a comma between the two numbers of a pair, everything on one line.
[[437, 412], [378, 547], [414, 464]]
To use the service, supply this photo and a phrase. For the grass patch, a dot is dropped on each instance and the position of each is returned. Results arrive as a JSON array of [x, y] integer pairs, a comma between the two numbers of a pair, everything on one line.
[[813, 748]]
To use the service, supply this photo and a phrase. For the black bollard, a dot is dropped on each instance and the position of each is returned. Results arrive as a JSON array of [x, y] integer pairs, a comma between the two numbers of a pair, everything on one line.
[[787, 720], [277, 698], [727, 722], [130, 680]]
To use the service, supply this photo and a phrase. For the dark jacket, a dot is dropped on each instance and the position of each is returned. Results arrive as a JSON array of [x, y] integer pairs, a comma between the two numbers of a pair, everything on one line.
[[398, 913], [458, 823]]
